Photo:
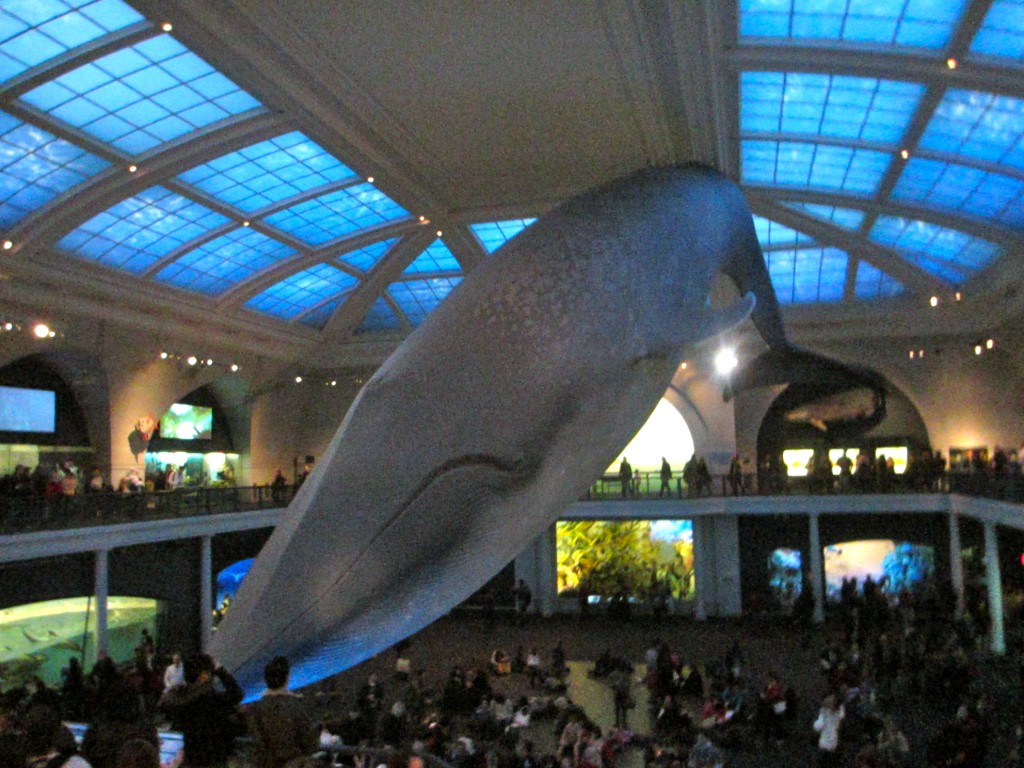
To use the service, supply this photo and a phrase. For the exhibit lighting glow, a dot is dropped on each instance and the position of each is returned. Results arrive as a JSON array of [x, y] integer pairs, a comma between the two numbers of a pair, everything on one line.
[[42, 330], [726, 361], [192, 360]]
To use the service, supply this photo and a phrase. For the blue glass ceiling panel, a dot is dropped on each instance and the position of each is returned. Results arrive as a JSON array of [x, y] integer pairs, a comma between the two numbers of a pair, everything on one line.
[[418, 298], [268, 172], [827, 105], [973, 191], [435, 258], [366, 258], [979, 125], [224, 262], [493, 235], [808, 275], [36, 167], [1001, 35], [873, 283], [319, 317], [817, 166], [379, 318], [32, 33], [143, 96], [847, 218], [297, 293], [947, 253], [337, 214], [911, 23], [771, 234], [141, 230]]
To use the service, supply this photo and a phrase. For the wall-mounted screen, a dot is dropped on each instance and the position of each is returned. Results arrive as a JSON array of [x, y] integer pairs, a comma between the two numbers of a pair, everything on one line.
[[187, 422], [27, 410]]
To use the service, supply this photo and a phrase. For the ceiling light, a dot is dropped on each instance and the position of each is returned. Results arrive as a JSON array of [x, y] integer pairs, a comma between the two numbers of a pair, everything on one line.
[[370, 179], [8, 326], [209, 361], [192, 360], [958, 296], [951, 62], [298, 379], [904, 153], [990, 343], [334, 382], [245, 223], [682, 366], [234, 367], [934, 301], [726, 361], [912, 354], [8, 245], [132, 168], [167, 26], [163, 355], [42, 330], [977, 349], [920, 353], [439, 233]]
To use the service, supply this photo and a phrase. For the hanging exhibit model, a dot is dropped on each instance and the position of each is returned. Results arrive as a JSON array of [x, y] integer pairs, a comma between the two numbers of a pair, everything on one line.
[[494, 416]]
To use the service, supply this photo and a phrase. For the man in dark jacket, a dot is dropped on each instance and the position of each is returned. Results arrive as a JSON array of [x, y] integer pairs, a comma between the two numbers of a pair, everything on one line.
[[279, 722], [205, 710]]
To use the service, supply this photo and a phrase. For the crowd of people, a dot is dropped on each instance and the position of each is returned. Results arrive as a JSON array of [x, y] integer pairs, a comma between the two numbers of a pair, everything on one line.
[[880, 660]]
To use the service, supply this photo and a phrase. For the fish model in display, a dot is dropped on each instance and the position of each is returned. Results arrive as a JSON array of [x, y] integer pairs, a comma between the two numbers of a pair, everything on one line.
[[494, 416]]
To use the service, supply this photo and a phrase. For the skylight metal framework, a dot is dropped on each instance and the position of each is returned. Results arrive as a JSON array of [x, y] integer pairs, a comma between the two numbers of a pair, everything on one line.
[[877, 168]]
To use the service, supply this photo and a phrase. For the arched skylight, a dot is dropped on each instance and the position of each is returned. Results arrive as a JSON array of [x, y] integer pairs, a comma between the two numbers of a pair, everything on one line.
[[807, 275], [948, 254], [1001, 36], [418, 298], [337, 214], [847, 218], [435, 258], [494, 234], [813, 166], [301, 291], [33, 33], [964, 189], [141, 97], [872, 283], [379, 318]]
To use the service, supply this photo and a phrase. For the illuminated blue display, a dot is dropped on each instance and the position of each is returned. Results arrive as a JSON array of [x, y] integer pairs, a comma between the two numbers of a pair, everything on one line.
[[816, 166], [418, 298], [141, 230], [1001, 35], [493, 235], [337, 214], [827, 105], [946, 253], [910, 23], [366, 258], [772, 234], [268, 172], [32, 33], [143, 96], [224, 262], [960, 188], [318, 317], [847, 218], [435, 258], [36, 167], [379, 318], [873, 283], [807, 275], [301, 291], [984, 126]]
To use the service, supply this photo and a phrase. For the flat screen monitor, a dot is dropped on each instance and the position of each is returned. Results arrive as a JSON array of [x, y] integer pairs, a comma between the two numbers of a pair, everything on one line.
[[27, 410], [187, 422]]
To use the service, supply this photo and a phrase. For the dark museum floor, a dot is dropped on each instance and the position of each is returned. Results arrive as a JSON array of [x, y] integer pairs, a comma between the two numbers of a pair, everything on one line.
[[467, 638]]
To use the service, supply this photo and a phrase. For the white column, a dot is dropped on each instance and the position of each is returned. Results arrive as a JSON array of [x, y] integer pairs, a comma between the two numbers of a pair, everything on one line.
[[205, 592], [101, 592], [956, 563], [817, 568], [547, 571], [995, 589]]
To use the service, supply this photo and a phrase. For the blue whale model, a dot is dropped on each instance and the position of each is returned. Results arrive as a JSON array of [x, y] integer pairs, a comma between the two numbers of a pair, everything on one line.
[[494, 416]]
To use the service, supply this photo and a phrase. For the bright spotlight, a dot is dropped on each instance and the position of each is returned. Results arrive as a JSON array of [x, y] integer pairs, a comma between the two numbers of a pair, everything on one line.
[[42, 331], [192, 360], [726, 361]]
